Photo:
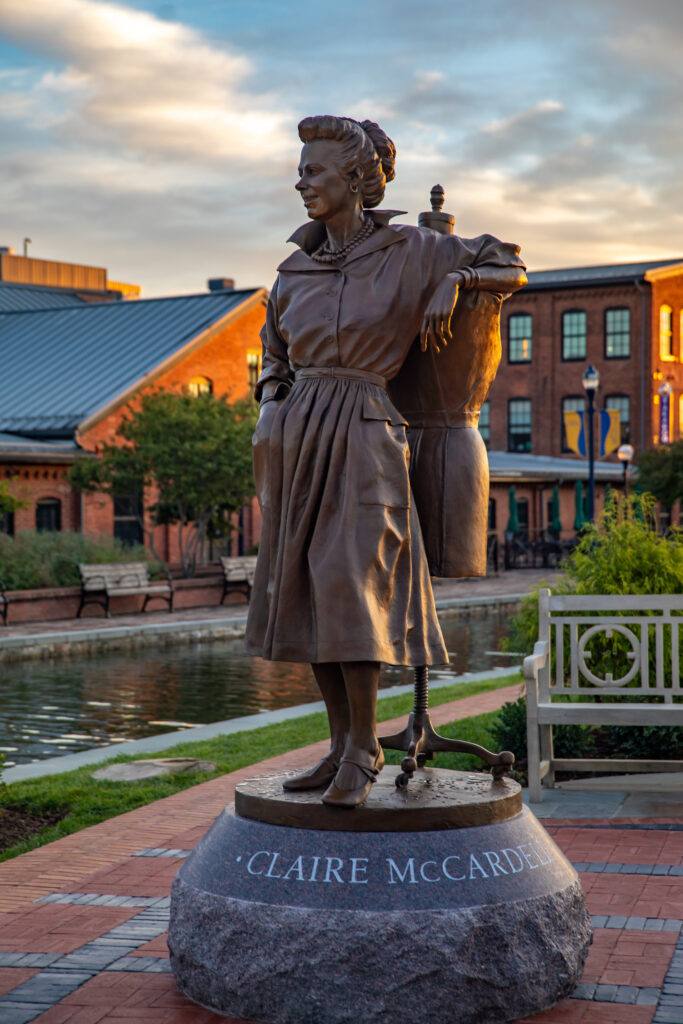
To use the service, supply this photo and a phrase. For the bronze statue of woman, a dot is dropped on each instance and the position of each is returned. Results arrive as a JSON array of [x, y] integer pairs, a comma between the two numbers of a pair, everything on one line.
[[342, 580]]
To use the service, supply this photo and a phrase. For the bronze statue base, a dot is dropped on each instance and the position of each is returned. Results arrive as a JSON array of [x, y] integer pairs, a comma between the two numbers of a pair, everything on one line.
[[436, 799], [446, 901]]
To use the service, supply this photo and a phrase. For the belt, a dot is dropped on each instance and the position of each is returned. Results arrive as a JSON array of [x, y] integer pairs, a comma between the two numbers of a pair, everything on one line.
[[344, 372]]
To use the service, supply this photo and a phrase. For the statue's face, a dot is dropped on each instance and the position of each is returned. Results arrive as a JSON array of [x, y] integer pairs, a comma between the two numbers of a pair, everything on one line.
[[322, 186]]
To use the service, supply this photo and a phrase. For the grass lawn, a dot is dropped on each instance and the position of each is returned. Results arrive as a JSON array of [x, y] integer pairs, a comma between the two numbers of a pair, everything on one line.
[[85, 801]]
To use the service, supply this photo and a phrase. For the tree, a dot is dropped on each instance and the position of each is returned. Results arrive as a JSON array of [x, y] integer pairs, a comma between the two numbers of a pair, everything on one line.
[[8, 502], [189, 457], [660, 472]]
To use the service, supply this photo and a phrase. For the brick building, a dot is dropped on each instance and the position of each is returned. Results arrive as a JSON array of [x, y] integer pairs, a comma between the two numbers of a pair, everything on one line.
[[69, 372], [625, 319]]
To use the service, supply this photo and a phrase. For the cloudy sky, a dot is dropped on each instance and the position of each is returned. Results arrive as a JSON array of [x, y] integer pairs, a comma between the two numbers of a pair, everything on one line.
[[159, 139]]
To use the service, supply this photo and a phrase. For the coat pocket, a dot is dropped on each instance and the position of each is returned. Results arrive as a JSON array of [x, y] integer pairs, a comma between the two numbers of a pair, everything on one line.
[[383, 455], [260, 450]]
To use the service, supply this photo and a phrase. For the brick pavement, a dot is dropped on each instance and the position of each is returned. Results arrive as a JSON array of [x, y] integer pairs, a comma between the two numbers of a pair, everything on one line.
[[83, 920]]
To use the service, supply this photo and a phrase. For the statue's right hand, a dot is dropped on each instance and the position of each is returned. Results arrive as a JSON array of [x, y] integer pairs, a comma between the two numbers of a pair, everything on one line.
[[266, 417]]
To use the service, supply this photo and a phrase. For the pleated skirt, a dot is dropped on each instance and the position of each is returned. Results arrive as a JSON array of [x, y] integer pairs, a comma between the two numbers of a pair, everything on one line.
[[341, 573]]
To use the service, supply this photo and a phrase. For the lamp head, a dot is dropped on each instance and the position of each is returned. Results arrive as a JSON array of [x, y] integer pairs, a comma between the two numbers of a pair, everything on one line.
[[625, 452], [591, 379]]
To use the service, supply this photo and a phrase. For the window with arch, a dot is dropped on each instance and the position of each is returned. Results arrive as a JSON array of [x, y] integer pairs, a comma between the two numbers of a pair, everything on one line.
[[200, 386], [519, 337], [571, 403], [574, 328], [7, 523], [485, 422], [666, 332], [253, 366], [48, 515], [622, 403], [519, 425], [617, 333]]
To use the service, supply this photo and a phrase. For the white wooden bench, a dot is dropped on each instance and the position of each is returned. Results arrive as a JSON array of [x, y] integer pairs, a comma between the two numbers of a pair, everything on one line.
[[568, 692], [238, 574], [99, 583]]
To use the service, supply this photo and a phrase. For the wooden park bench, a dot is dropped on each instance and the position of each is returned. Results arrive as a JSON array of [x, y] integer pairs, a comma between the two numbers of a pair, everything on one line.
[[99, 583], [4, 603], [238, 574], [561, 688]]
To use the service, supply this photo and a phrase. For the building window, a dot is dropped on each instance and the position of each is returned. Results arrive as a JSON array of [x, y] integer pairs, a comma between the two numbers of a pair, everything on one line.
[[519, 425], [48, 515], [571, 403], [617, 333], [253, 366], [574, 334], [7, 523], [492, 513], [523, 516], [519, 338], [622, 403], [128, 517], [200, 386], [485, 422], [666, 334]]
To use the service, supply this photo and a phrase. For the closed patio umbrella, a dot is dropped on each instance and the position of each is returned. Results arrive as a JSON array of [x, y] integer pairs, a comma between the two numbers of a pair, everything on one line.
[[513, 520], [555, 523], [579, 514]]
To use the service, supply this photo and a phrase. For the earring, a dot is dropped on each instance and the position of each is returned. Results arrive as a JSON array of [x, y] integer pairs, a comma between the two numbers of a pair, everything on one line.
[[354, 188]]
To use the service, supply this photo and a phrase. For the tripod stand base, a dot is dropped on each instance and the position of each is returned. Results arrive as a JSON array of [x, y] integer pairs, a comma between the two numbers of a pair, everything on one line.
[[421, 742]]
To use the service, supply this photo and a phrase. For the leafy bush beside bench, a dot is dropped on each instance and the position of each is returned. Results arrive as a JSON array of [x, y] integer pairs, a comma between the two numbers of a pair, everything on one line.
[[31, 561]]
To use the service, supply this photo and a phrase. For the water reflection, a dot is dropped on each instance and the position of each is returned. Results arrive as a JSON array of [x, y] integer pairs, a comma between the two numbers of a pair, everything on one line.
[[49, 708]]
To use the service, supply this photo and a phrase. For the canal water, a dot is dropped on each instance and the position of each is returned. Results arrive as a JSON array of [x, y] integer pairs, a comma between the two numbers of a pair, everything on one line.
[[49, 708]]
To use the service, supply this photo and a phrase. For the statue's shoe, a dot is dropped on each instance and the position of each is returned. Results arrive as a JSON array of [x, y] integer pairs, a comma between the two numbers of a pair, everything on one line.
[[369, 766], [320, 775]]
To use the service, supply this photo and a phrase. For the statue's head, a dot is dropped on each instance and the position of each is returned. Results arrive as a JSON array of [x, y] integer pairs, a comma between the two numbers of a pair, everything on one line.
[[343, 162]]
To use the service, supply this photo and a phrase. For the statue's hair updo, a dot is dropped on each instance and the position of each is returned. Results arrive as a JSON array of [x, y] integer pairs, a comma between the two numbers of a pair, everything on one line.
[[364, 143]]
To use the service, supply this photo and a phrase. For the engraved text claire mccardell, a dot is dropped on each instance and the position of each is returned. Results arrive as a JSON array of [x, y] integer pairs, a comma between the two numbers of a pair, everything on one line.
[[470, 867]]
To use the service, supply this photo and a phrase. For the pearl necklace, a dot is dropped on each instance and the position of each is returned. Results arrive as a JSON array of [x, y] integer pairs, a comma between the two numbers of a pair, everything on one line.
[[326, 255]]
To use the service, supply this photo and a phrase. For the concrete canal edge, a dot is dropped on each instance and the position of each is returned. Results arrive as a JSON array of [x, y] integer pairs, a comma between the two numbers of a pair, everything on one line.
[[110, 638]]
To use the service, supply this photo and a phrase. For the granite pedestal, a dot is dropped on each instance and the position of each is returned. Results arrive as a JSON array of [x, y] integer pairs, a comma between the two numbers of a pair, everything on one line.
[[472, 923]]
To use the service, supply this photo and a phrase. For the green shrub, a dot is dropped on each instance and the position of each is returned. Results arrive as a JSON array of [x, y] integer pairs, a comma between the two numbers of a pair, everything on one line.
[[508, 732], [34, 560], [621, 554]]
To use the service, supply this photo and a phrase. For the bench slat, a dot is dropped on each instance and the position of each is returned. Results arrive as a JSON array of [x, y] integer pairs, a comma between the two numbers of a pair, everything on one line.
[[610, 714]]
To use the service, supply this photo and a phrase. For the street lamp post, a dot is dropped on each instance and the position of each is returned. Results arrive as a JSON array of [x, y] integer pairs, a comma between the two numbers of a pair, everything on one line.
[[591, 383], [625, 455]]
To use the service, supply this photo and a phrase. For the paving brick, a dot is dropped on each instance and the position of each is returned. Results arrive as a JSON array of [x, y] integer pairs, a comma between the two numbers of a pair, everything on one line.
[[11, 977], [19, 1013]]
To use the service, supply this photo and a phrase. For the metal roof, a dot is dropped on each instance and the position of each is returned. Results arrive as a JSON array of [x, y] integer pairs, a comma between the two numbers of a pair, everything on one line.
[[571, 277], [15, 448], [19, 297], [60, 366], [510, 465]]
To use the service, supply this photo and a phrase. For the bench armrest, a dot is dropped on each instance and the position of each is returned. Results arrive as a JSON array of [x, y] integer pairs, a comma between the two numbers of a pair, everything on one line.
[[90, 582], [536, 661]]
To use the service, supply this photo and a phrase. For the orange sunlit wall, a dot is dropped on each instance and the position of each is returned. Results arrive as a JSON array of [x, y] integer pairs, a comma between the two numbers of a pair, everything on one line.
[[223, 360]]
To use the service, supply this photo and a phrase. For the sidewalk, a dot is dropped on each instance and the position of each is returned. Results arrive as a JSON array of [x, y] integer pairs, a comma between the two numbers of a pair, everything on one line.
[[83, 920]]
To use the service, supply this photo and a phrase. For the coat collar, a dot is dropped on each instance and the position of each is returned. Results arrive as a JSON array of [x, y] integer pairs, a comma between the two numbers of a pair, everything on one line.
[[310, 236]]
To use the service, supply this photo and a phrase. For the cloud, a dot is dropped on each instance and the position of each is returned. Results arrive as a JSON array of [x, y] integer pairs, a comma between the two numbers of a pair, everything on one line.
[[156, 88]]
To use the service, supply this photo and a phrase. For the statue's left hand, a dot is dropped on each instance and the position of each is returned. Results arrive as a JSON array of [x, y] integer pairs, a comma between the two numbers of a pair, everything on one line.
[[436, 329]]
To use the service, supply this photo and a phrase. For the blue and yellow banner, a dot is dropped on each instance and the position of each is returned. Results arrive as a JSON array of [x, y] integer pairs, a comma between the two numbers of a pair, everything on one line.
[[609, 432], [575, 433]]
